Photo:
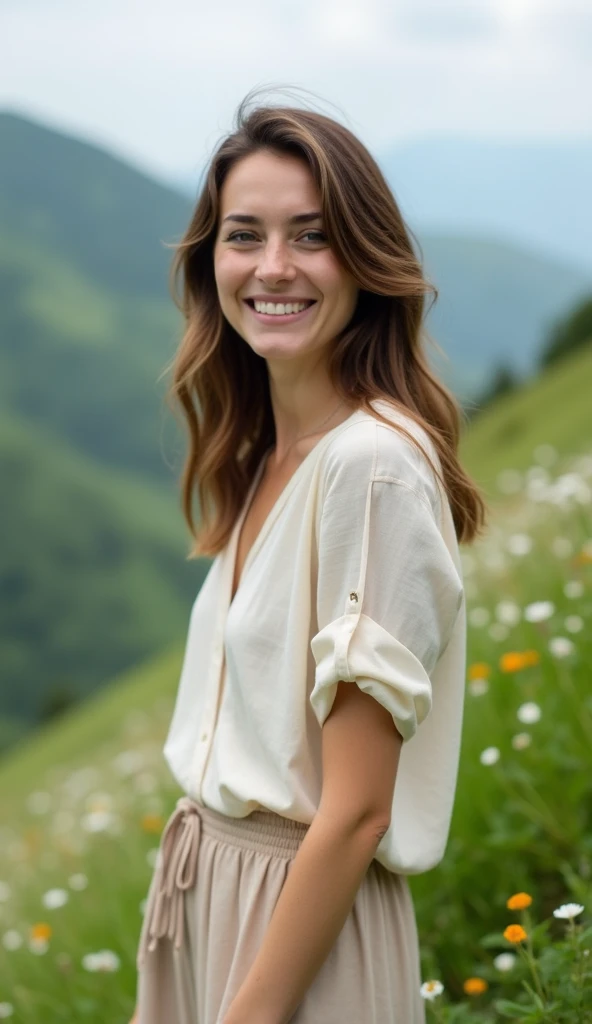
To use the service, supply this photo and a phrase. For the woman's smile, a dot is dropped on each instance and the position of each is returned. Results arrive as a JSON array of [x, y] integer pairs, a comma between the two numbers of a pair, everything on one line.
[[276, 312]]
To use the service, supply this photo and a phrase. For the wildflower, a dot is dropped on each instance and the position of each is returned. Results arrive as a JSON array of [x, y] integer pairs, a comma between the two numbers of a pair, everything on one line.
[[515, 933], [6, 1010], [431, 989], [519, 901], [479, 670], [5, 892], [38, 803], [498, 631], [521, 740], [529, 713], [54, 898], [561, 646], [573, 588], [489, 756], [477, 687], [41, 931], [574, 623], [104, 960], [512, 661], [478, 617], [97, 821], [152, 856], [475, 986], [507, 612], [12, 939], [567, 911], [152, 823], [539, 611], [78, 881], [128, 762], [504, 961], [519, 544]]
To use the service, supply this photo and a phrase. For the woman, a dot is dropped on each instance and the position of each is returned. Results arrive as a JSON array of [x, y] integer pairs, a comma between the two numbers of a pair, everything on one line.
[[324, 452]]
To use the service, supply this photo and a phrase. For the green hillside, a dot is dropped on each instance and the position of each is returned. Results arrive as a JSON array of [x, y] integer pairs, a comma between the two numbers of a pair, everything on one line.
[[95, 576], [553, 408]]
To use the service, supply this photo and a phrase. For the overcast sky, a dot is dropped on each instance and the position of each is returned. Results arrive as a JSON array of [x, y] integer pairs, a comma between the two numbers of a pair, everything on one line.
[[157, 81]]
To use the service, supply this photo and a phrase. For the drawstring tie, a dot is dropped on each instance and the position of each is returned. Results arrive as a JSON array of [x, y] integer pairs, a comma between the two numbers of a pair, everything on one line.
[[176, 870]]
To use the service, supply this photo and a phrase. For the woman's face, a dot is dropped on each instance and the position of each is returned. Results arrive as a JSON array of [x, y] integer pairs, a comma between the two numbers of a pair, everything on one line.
[[271, 253]]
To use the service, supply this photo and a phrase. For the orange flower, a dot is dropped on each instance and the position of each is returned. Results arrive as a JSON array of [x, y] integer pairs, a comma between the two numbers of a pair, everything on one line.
[[479, 670], [519, 901], [512, 661], [584, 557], [152, 823], [515, 933], [41, 931], [531, 658], [475, 986]]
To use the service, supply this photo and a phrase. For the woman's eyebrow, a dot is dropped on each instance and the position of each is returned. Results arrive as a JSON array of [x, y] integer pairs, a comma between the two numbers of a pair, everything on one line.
[[299, 218]]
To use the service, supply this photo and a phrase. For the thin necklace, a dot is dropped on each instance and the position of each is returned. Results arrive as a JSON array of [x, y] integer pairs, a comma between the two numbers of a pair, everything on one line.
[[316, 431]]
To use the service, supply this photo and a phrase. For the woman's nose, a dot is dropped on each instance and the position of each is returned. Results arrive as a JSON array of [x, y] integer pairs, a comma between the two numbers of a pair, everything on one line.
[[275, 262]]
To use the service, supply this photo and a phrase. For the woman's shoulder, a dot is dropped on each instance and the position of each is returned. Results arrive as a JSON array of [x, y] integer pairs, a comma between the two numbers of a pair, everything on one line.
[[369, 449]]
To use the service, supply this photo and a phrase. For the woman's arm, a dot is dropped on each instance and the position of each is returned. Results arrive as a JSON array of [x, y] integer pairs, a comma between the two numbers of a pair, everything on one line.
[[360, 758]]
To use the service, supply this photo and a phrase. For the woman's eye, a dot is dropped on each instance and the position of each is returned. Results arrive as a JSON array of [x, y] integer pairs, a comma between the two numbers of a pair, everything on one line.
[[238, 236], [318, 236]]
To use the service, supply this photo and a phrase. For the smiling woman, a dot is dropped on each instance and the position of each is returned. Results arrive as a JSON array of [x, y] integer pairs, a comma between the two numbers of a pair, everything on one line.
[[316, 730]]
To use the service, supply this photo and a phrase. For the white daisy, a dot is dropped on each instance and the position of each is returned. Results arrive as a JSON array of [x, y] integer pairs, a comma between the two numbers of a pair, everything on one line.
[[567, 911], [521, 740], [12, 939], [104, 960], [504, 961], [573, 588], [431, 989], [529, 713], [561, 646], [55, 898], [6, 1010], [539, 611], [477, 687], [489, 756], [78, 882]]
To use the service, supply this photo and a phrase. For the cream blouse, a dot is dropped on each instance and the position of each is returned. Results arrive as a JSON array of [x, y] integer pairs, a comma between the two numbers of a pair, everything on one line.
[[355, 575]]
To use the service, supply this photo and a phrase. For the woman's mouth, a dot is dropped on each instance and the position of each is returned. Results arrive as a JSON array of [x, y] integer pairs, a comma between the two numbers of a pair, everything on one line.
[[279, 312]]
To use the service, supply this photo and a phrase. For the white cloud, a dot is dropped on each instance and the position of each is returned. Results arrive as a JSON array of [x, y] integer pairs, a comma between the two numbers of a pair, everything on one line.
[[159, 81]]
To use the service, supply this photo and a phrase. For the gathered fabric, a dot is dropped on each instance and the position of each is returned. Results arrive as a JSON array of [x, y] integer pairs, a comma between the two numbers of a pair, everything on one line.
[[175, 871]]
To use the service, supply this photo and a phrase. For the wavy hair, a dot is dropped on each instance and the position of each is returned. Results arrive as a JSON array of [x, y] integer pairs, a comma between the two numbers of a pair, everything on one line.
[[222, 386]]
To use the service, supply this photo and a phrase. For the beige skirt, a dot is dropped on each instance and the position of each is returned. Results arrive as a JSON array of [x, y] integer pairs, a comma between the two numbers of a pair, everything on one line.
[[215, 885]]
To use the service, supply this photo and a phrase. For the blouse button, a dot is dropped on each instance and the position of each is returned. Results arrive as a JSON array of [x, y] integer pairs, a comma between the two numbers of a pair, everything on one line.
[[353, 596]]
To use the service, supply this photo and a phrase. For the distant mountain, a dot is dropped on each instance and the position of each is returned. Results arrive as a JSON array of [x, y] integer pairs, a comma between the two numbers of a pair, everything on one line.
[[496, 304], [535, 195]]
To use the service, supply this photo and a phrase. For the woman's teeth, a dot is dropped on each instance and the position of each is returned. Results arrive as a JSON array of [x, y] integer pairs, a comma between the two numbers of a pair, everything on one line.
[[280, 308]]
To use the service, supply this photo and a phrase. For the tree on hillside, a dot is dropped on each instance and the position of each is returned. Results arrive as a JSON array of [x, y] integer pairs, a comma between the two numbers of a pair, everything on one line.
[[503, 380], [568, 333]]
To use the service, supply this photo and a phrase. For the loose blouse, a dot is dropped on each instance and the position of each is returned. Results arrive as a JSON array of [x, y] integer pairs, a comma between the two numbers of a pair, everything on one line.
[[355, 575]]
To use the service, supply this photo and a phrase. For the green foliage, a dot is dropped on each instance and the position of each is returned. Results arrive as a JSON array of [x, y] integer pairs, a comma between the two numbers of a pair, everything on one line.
[[569, 333]]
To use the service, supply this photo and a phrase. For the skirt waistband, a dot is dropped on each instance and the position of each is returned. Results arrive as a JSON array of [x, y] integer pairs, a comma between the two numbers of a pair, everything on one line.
[[176, 864]]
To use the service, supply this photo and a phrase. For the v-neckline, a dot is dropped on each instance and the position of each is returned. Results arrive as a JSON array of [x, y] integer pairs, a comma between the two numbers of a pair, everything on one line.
[[273, 512]]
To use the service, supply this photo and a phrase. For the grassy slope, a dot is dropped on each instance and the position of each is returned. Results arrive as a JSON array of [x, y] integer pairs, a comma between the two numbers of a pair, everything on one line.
[[554, 409]]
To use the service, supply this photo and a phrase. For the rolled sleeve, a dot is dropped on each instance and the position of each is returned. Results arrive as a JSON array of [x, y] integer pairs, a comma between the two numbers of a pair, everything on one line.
[[388, 592]]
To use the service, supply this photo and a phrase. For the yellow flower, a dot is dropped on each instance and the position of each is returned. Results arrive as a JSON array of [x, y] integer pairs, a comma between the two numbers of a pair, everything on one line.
[[475, 986], [519, 901], [479, 670], [515, 933], [152, 823], [41, 931]]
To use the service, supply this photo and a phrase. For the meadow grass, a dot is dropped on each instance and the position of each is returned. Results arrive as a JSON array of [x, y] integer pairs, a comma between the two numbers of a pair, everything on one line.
[[84, 801]]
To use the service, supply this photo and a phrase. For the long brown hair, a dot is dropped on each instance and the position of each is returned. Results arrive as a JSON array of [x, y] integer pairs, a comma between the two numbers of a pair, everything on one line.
[[222, 386]]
